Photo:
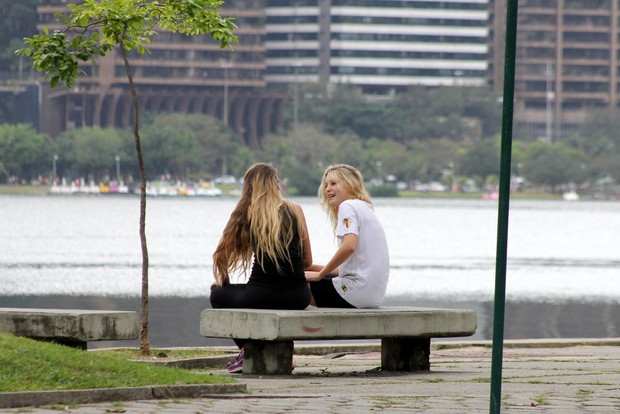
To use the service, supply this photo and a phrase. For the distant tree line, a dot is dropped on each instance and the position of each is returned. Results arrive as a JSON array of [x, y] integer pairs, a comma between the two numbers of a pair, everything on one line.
[[446, 135]]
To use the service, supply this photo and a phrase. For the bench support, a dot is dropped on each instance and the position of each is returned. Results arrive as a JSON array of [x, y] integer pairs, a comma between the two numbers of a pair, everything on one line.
[[276, 357], [405, 354], [268, 357]]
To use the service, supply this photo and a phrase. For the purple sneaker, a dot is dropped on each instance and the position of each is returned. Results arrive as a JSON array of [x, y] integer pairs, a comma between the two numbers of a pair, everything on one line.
[[237, 365]]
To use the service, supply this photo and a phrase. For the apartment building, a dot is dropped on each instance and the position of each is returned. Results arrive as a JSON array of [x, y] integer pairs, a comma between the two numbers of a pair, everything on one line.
[[566, 62], [180, 74], [381, 46]]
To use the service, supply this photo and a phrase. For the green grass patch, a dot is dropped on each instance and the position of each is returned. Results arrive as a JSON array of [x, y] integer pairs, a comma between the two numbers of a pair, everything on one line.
[[24, 189], [541, 400], [29, 365]]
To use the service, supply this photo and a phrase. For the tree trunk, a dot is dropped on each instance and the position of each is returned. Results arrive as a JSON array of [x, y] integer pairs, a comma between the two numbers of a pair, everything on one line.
[[144, 329]]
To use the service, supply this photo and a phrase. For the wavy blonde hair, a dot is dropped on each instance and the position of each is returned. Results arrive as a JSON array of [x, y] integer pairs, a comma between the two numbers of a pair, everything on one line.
[[350, 180], [262, 224]]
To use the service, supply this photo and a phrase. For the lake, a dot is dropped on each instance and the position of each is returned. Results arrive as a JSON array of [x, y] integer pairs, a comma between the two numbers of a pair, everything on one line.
[[84, 252]]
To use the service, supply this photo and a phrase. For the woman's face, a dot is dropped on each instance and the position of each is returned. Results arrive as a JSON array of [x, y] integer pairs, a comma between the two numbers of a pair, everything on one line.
[[335, 192]]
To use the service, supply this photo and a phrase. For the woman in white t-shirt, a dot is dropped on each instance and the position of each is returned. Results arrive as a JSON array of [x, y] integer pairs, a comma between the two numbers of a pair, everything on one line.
[[357, 275]]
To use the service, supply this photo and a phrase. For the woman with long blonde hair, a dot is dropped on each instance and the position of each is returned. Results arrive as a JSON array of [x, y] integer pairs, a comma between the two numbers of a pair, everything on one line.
[[268, 234], [357, 274]]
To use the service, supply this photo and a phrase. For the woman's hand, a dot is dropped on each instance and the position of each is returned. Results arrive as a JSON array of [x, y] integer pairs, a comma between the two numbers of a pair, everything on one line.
[[312, 276]]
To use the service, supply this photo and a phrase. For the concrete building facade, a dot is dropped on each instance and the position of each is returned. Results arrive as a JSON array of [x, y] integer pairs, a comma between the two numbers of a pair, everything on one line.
[[380, 46], [566, 63], [181, 73]]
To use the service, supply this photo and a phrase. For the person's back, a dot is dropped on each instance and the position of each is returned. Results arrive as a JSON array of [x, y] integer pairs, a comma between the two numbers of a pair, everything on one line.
[[287, 269], [271, 233]]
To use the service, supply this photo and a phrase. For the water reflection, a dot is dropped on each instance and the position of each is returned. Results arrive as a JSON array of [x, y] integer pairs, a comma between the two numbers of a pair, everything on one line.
[[84, 252]]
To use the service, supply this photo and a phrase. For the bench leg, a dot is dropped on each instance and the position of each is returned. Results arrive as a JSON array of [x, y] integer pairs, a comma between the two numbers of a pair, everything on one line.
[[268, 357], [405, 354]]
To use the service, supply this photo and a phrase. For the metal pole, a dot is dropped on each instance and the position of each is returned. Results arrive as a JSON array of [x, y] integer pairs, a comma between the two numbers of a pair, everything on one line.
[[549, 98], [226, 65], [118, 169], [296, 95], [54, 159], [504, 201]]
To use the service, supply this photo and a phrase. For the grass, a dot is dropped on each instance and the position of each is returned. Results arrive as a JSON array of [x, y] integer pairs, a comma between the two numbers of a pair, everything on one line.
[[23, 189], [540, 400], [29, 365]]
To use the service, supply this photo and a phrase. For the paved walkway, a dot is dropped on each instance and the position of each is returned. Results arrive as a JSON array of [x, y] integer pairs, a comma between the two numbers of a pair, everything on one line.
[[548, 377]]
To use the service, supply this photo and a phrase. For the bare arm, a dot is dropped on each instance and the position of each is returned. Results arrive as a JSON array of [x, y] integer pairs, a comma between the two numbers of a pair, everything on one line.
[[346, 249]]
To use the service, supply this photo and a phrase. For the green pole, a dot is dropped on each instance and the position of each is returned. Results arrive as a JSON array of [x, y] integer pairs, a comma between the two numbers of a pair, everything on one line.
[[504, 201]]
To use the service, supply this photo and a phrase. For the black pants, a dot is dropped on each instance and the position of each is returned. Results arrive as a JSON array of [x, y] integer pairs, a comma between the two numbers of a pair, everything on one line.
[[293, 297], [326, 296]]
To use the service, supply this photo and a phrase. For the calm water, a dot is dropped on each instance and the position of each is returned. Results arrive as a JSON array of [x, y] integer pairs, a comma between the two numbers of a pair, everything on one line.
[[73, 249]]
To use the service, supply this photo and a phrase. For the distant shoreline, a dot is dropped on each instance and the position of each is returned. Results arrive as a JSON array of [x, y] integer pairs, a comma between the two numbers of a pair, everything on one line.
[[11, 189]]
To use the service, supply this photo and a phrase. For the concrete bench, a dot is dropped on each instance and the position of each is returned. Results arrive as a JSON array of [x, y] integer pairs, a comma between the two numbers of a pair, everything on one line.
[[405, 332], [70, 327]]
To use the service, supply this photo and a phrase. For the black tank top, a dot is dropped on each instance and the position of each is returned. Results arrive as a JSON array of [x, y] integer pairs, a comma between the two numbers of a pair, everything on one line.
[[291, 273]]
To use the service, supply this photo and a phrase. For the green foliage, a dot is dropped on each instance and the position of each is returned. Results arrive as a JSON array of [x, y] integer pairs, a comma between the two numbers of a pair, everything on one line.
[[553, 165], [383, 191], [28, 365], [301, 157], [93, 28], [23, 152], [598, 135], [210, 147], [455, 113], [481, 159], [91, 152], [393, 158], [436, 156]]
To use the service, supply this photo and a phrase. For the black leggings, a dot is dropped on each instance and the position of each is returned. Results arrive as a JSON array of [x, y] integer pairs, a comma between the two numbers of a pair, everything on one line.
[[326, 296], [253, 296]]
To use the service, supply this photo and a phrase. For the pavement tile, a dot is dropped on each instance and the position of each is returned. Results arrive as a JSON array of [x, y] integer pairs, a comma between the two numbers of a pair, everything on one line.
[[582, 378]]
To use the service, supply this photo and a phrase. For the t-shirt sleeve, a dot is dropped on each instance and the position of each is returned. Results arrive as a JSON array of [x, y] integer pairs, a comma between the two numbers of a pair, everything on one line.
[[348, 221]]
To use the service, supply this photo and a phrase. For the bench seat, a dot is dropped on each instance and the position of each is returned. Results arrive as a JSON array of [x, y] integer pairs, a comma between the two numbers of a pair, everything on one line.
[[405, 332], [72, 327]]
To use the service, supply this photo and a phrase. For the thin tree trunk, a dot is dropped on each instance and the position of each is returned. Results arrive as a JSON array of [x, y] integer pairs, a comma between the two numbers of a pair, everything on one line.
[[144, 329]]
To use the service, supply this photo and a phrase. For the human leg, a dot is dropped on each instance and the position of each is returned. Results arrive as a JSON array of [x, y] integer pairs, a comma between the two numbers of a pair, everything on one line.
[[324, 295]]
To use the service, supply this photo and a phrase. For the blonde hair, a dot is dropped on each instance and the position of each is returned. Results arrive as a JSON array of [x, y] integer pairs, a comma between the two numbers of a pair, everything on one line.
[[350, 180], [262, 224]]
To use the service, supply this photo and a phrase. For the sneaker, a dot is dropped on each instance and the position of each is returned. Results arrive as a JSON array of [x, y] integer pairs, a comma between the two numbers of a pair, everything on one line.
[[237, 365]]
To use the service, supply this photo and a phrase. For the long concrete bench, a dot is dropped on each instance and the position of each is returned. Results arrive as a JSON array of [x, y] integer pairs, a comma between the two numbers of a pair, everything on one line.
[[405, 332], [72, 327]]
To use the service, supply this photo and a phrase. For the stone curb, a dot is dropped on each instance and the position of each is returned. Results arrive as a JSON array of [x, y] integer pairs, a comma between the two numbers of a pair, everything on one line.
[[68, 397]]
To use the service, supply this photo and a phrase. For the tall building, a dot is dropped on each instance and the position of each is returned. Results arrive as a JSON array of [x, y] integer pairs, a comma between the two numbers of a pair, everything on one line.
[[181, 73], [381, 46], [566, 62]]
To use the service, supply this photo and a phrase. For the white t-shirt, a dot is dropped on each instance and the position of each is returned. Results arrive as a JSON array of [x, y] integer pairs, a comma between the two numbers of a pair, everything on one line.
[[363, 277]]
